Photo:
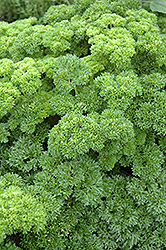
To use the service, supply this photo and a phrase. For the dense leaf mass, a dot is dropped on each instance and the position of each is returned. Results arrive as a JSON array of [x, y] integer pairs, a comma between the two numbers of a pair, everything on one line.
[[83, 129]]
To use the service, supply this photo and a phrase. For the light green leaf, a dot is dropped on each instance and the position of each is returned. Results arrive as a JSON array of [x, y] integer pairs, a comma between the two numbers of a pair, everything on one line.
[[158, 5]]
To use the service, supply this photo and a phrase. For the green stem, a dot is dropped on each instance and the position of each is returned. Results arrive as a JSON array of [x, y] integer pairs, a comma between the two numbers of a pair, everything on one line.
[[76, 90]]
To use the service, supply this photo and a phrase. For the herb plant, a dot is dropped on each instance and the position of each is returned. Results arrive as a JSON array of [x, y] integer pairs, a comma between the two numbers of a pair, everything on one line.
[[83, 129]]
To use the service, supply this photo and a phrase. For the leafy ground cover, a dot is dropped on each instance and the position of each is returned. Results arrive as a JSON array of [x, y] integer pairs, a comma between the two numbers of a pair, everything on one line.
[[82, 128]]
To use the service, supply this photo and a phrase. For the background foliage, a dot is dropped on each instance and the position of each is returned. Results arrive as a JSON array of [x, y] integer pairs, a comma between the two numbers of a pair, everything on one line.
[[11, 10], [83, 128], [158, 5]]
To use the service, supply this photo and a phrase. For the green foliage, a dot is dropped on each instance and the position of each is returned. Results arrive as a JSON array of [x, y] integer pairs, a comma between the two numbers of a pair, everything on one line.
[[8, 94], [18, 209], [83, 128], [147, 162], [22, 157], [35, 42], [151, 111], [4, 133], [162, 22], [70, 73], [10, 246], [26, 77], [115, 47], [11, 10], [118, 91], [74, 135], [150, 55], [159, 5], [58, 13]]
